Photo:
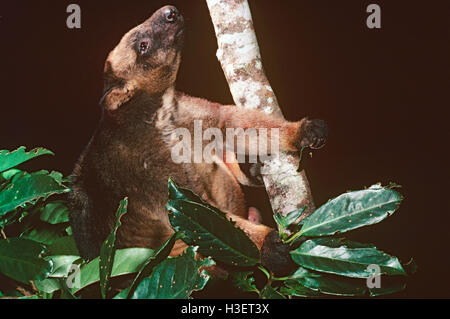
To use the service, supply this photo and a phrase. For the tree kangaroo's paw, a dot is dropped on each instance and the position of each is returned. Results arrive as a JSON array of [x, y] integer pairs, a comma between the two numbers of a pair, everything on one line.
[[313, 133], [275, 255]]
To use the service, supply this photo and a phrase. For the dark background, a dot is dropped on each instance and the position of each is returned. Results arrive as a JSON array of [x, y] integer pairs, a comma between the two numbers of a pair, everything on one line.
[[383, 92]]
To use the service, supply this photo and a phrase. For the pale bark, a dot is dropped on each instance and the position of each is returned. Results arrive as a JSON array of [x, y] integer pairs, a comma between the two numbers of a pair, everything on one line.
[[238, 52]]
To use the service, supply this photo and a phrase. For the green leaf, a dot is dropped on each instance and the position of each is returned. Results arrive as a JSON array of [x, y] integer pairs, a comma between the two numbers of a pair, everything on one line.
[[207, 227], [269, 292], [126, 261], [63, 246], [289, 219], [297, 290], [11, 159], [22, 260], [28, 189], [29, 297], [48, 285], [244, 280], [175, 278], [215, 235], [66, 292], [283, 222], [294, 288], [344, 258], [176, 192], [386, 290], [352, 210], [43, 236], [55, 212], [61, 265], [35, 229], [7, 176], [151, 263], [304, 281], [108, 248]]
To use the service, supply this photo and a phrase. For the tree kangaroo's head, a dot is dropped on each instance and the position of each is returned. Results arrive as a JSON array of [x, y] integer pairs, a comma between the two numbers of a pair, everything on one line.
[[146, 59]]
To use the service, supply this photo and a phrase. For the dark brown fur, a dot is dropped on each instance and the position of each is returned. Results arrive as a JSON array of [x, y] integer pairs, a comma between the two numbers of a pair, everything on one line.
[[129, 155]]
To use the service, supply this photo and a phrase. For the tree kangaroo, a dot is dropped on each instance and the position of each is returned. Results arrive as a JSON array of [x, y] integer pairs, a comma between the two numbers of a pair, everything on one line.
[[130, 152]]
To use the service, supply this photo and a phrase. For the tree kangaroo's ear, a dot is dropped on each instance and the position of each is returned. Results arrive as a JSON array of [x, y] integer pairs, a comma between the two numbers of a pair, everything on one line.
[[117, 89], [116, 96]]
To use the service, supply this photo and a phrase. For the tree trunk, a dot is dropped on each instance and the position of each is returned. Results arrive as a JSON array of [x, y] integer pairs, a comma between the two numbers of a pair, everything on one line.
[[239, 55]]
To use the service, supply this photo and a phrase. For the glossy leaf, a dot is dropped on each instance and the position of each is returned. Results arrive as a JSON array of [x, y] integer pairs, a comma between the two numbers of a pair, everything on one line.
[[180, 193], [108, 248], [175, 278], [244, 281], [66, 293], [295, 289], [126, 261], [344, 258], [61, 265], [151, 263], [63, 246], [29, 188], [352, 210], [55, 213], [215, 235], [292, 286], [176, 192], [29, 297], [269, 292], [7, 176], [209, 228], [386, 289], [11, 159], [49, 285], [326, 284], [283, 222], [22, 260], [306, 283], [289, 219], [43, 236]]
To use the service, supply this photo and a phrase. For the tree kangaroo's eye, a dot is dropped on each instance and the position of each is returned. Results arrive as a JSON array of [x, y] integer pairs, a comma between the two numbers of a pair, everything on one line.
[[143, 47], [171, 15]]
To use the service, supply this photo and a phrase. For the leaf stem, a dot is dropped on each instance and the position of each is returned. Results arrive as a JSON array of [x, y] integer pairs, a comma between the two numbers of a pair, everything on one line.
[[293, 237], [264, 270], [280, 279]]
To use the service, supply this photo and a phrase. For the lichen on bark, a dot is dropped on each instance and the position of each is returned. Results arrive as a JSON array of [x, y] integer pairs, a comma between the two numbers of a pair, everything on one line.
[[239, 55]]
